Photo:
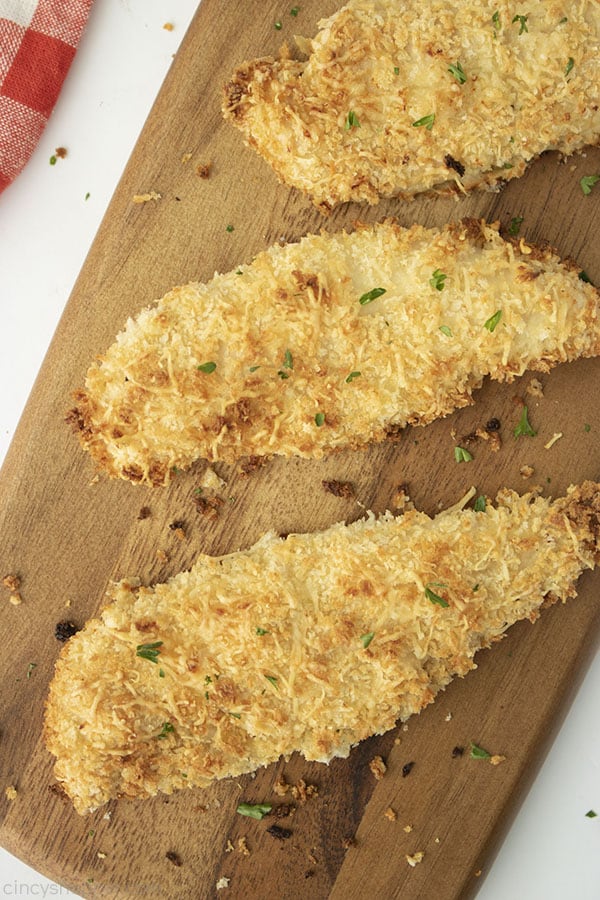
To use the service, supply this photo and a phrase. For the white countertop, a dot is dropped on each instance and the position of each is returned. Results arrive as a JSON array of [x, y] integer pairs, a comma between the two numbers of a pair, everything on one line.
[[552, 851]]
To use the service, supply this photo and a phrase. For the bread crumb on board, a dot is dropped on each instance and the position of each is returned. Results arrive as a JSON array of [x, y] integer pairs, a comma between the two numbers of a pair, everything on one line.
[[10, 792], [146, 198], [535, 388], [223, 882], [378, 767], [526, 471], [390, 814], [555, 437], [415, 858]]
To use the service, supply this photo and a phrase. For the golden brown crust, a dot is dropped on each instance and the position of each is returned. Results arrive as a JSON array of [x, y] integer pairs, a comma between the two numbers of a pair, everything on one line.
[[354, 120], [312, 643], [282, 357]]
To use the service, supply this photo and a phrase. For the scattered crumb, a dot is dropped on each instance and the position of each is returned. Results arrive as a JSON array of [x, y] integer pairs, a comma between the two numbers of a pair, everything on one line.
[[283, 811], [223, 883], [229, 848], [144, 513], [68, 603], [477, 874], [101, 855], [210, 481], [145, 198], [173, 858], [58, 791], [281, 787], [302, 791], [390, 814], [15, 599], [535, 388], [496, 759], [65, 630], [436, 840], [168, 26], [415, 859], [407, 769], [61, 152], [555, 437], [457, 751], [243, 847], [378, 767], [208, 506], [251, 464], [312, 858], [448, 717], [344, 489], [162, 556], [405, 727], [12, 582], [107, 816], [408, 828], [526, 471], [94, 480], [348, 842], [203, 170], [401, 498], [492, 436], [186, 158], [276, 831], [11, 792]]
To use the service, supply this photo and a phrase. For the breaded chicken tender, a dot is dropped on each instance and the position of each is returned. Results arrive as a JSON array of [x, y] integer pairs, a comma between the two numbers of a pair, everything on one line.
[[311, 643], [398, 97], [330, 343]]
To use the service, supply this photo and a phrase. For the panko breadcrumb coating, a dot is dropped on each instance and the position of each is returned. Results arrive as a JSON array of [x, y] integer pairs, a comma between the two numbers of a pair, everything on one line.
[[311, 643], [397, 97], [330, 343]]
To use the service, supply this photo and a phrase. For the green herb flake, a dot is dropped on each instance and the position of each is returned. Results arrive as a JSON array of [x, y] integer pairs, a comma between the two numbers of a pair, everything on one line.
[[425, 121], [207, 367], [352, 376], [569, 66], [523, 23], [272, 680], [52, 160], [462, 455], [496, 21], [319, 419], [238, 272], [294, 11], [587, 427], [433, 597], [588, 182], [585, 277], [515, 225], [480, 504], [149, 651], [475, 588], [235, 715], [458, 72], [288, 360], [87, 196], [229, 228], [445, 330], [253, 368], [437, 280], [351, 121], [278, 25], [283, 375], [262, 631], [371, 295], [563, 20], [478, 752], [91, 832], [524, 428], [493, 321], [396, 70], [30, 669], [591, 814], [254, 810], [161, 673], [167, 728], [366, 639]]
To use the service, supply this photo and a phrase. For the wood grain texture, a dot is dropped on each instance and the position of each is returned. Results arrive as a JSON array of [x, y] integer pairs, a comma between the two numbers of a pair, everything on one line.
[[67, 536]]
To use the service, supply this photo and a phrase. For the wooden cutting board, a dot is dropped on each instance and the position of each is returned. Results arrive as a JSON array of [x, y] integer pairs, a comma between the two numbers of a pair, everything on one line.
[[67, 534]]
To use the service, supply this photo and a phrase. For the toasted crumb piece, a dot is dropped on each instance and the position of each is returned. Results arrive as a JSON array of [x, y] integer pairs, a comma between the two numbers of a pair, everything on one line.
[[12, 582], [348, 842], [448, 717], [186, 158], [283, 810], [145, 198], [496, 759], [344, 489], [210, 481], [378, 767], [203, 170], [408, 828], [526, 471], [173, 858], [168, 26], [555, 437], [11, 792], [68, 603], [401, 498], [243, 847], [15, 599], [223, 882], [312, 858], [436, 840], [162, 556], [391, 814], [281, 787], [415, 859], [229, 848], [302, 791], [94, 480], [491, 436], [534, 388], [477, 874], [61, 152], [208, 506], [101, 855]]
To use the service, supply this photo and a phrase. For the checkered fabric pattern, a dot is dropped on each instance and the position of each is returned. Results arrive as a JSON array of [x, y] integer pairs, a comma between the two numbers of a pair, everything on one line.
[[38, 39]]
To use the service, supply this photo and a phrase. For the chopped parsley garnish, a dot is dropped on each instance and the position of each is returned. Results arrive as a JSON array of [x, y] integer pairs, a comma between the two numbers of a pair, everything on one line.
[[524, 428], [496, 21], [319, 419], [253, 368], [479, 752], [235, 715], [563, 20], [523, 22], [588, 182], [52, 160], [229, 228], [294, 11], [371, 295], [396, 70], [351, 121], [288, 360], [515, 225], [87, 196], [445, 330], [587, 427], [278, 25], [30, 669], [426, 121], [352, 376], [161, 673], [167, 728], [585, 277], [492, 322], [462, 455], [432, 596], [437, 280], [569, 66], [149, 651], [207, 367], [254, 810], [238, 272], [262, 631], [283, 375], [480, 504], [273, 681], [591, 814], [458, 72], [367, 638]]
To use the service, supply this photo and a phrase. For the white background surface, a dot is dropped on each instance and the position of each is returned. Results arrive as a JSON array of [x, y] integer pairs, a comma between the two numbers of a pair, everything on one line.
[[46, 227]]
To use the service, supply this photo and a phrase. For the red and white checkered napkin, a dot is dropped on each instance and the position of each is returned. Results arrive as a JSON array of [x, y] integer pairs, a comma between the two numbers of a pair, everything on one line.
[[38, 39]]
